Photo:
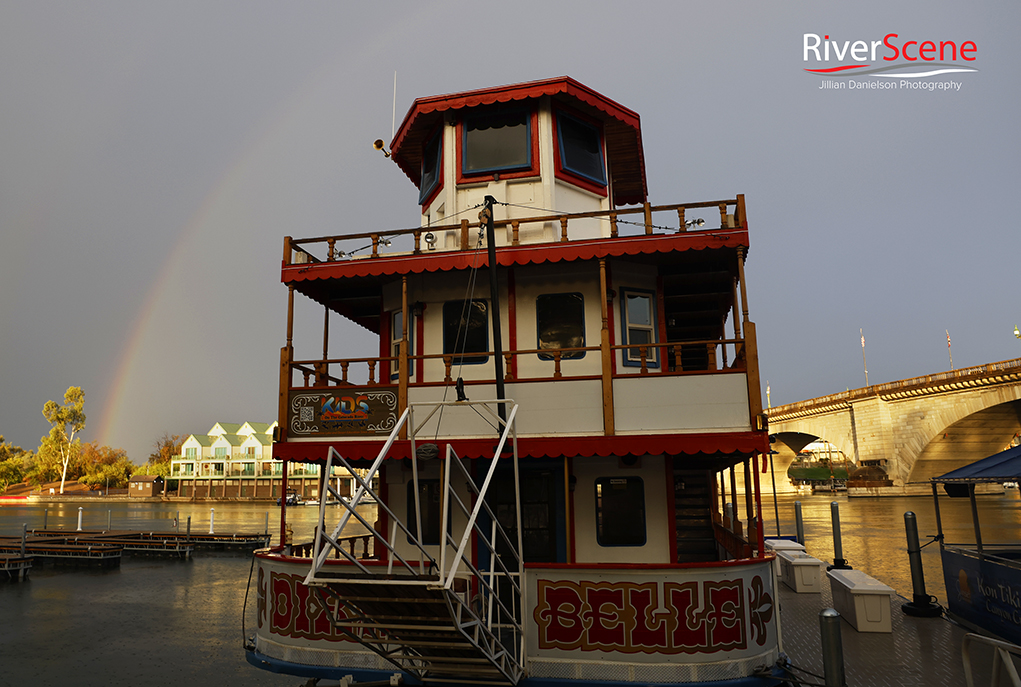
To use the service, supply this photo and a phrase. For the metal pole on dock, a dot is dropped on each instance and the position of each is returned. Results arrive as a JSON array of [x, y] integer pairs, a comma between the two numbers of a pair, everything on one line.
[[24, 536], [922, 605], [79, 518], [838, 549], [799, 521], [46, 516], [109, 520], [211, 513], [177, 522], [267, 522], [832, 648], [776, 507], [189, 529]]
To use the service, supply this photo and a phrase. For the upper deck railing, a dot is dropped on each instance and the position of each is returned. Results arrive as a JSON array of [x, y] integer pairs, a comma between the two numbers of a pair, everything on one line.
[[645, 220]]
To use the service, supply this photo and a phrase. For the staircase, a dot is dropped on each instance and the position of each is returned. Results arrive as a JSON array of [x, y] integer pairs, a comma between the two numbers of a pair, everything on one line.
[[696, 540], [441, 621]]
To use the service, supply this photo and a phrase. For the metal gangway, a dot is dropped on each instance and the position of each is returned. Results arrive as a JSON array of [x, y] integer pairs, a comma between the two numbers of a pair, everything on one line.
[[444, 620]]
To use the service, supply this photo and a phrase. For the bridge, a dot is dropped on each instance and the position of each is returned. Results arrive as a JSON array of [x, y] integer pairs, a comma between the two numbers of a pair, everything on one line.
[[913, 429]]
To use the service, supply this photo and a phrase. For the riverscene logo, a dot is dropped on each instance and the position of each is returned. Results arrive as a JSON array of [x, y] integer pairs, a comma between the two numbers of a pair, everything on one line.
[[895, 63]]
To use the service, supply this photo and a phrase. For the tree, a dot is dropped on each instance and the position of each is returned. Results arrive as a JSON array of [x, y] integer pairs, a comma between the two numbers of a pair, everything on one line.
[[104, 466], [167, 447], [13, 463], [67, 420]]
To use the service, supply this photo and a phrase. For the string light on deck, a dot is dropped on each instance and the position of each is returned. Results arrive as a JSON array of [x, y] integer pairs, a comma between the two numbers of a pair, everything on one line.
[[688, 224]]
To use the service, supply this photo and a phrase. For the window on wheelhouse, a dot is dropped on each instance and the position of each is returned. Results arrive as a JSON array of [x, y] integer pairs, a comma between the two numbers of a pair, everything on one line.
[[466, 331], [496, 141], [580, 147], [560, 323], [638, 312], [431, 165], [396, 332], [620, 511]]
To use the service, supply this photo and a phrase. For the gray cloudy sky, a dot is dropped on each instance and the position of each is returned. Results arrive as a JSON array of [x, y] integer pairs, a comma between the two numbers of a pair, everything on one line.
[[153, 155]]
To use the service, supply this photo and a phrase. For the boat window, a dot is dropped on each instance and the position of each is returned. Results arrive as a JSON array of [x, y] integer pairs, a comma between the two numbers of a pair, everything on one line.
[[396, 332], [581, 148], [560, 323], [638, 312], [429, 498], [466, 330], [620, 511], [432, 161], [496, 141]]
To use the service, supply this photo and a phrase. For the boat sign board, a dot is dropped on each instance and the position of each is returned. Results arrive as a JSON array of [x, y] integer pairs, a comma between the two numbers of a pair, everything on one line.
[[984, 591], [343, 411]]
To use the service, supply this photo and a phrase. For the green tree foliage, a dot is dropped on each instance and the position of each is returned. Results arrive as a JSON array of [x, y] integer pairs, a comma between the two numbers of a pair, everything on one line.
[[102, 466], [14, 461], [67, 420]]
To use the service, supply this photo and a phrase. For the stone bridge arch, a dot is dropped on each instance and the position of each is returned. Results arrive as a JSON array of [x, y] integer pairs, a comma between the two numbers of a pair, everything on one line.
[[919, 427], [956, 431]]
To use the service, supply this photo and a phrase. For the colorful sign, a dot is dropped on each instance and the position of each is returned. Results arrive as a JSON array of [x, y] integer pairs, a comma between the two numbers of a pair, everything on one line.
[[346, 411], [983, 592]]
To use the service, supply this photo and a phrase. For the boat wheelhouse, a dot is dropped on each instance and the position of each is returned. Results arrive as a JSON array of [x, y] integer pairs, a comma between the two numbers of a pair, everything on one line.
[[565, 389]]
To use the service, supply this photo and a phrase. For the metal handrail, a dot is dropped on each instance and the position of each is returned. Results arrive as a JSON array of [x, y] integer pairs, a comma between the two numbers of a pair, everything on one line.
[[1001, 657]]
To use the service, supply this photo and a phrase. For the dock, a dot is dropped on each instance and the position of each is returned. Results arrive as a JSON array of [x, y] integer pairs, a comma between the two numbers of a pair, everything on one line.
[[15, 567], [103, 548], [922, 652]]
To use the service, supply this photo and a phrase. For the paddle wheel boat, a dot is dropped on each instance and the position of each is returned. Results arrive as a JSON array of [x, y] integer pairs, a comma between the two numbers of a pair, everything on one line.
[[551, 432]]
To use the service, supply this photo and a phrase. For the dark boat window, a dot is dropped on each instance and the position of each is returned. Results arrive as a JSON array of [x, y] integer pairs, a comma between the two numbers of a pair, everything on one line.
[[581, 148], [620, 511], [429, 498], [466, 330], [560, 323], [431, 163], [496, 141]]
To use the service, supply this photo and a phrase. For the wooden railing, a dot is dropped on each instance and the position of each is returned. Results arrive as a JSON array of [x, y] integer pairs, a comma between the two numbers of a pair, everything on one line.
[[375, 244], [650, 359]]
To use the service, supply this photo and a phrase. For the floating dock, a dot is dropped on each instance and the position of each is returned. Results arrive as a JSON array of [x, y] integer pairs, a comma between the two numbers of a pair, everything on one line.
[[15, 566], [104, 548]]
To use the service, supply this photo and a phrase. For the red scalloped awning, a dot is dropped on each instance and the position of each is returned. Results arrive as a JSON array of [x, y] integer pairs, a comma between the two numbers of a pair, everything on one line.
[[622, 125], [730, 443], [516, 255]]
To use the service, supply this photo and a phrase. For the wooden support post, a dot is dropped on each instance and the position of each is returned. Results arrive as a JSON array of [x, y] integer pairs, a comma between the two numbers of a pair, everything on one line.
[[464, 234], [680, 219], [515, 232], [563, 229], [605, 352], [404, 369], [613, 225], [648, 218]]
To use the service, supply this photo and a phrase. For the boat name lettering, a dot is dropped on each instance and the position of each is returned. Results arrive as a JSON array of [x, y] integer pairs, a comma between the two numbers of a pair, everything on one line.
[[293, 609], [697, 617]]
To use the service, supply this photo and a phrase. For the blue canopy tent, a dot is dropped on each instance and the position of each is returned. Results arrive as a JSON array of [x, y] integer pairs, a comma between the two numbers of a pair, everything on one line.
[[975, 575]]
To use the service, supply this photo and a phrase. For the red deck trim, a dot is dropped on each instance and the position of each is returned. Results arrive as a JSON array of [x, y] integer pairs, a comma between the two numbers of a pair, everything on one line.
[[507, 256], [649, 566], [544, 447]]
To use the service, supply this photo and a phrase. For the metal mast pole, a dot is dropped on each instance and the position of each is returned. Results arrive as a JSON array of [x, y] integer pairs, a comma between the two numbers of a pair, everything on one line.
[[494, 298]]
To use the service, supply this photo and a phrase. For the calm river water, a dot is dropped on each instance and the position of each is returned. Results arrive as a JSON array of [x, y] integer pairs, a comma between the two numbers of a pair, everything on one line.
[[159, 622]]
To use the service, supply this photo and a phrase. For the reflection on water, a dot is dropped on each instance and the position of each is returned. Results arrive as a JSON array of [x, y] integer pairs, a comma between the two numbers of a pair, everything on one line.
[[149, 622], [873, 536], [163, 622]]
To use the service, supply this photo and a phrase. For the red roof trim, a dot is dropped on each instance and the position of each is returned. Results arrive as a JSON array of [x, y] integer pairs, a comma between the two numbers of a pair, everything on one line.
[[546, 447], [521, 91], [517, 255]]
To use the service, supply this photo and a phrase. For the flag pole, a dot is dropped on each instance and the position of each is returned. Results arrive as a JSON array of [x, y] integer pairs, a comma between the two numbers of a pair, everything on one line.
[[949, 351], [864, 364]]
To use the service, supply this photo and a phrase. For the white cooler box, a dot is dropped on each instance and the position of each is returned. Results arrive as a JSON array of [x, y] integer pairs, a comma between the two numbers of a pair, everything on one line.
[[861, 600], [800, 572]]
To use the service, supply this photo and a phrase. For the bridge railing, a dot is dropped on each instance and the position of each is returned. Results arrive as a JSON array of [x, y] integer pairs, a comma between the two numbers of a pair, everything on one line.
[[990, 372]]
